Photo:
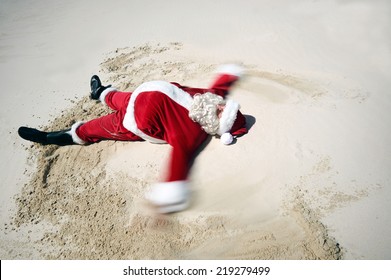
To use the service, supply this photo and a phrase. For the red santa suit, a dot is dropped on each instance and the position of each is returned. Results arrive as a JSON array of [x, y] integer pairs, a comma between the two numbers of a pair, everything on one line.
[[158, 112]]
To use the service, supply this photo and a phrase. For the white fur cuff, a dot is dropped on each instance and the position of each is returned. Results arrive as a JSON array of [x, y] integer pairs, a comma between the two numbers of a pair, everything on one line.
[[169, 197], [76, 139], [231, 69], [102, 96]]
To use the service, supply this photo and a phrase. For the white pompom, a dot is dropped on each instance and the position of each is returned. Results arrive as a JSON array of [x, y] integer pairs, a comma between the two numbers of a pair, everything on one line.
[[226, 138]]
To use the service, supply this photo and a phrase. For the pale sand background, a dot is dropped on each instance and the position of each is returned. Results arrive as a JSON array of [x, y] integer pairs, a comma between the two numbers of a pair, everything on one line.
[[312, 172]]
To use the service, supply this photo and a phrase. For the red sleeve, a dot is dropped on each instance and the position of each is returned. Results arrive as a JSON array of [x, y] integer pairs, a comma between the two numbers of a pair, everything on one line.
[[184, 148], [184, 136], [228, 74], [222, 84]]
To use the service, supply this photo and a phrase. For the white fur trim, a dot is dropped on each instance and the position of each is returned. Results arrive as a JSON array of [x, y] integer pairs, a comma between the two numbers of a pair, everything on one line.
[[228, 117], [102, 96], [76, 139], [231, 69], [176, 94], [169, 196]]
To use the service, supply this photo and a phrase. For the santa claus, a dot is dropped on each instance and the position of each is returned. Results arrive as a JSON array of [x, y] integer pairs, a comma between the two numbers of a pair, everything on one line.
[[160, 112]]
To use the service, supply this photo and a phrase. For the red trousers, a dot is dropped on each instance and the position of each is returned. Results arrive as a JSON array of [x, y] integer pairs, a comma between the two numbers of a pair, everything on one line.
[[109, 127]]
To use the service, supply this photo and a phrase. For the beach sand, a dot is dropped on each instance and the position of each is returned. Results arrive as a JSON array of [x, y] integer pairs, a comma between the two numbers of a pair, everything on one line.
[[309, 181]]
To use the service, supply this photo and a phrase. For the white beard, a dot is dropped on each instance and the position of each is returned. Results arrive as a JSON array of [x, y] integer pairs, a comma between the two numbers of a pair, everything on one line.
[[204, 111]]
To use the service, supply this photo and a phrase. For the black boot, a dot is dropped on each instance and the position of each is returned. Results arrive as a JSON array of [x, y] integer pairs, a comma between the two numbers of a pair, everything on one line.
[[60, 138], [96, 87]]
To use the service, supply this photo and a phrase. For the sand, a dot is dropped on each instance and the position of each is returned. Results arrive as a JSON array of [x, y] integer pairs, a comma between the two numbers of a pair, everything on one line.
[[309, 181]]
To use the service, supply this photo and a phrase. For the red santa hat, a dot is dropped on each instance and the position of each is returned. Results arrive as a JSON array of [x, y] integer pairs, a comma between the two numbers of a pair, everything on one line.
[[232, 123]]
